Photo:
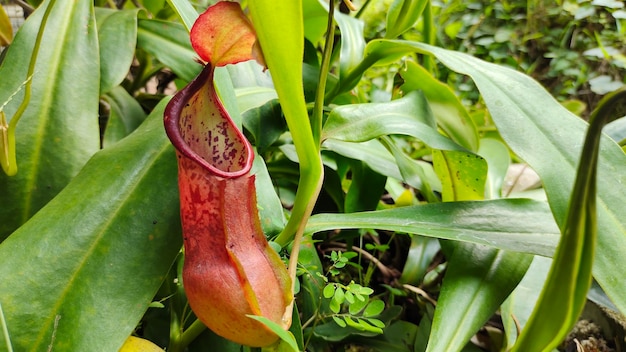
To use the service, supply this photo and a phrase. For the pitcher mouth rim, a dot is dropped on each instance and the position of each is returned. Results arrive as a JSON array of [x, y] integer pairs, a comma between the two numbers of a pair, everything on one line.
[[172, 128]]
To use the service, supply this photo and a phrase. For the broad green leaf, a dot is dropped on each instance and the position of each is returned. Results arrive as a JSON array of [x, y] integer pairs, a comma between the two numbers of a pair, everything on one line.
[[315, 19], [402, 16], [59, 129], [565, 292], [409, 115], [117, 37], [478, 279], [270, 209], [169, 43], [519, 225], [548, 137], [450, 113], [397, 337], [80, 274], [125, 115], [312, 285], [520, 107]]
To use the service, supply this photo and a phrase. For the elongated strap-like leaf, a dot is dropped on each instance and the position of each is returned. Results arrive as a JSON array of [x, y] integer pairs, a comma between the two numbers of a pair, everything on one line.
[[565, 292], [59, 129], [81, 273], [502, 223]]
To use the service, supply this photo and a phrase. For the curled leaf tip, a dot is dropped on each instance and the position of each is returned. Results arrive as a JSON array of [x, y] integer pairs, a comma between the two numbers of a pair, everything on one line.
[[224, 35]]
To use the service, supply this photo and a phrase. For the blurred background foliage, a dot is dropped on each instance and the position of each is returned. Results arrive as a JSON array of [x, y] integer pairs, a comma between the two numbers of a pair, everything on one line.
[[575, 48]]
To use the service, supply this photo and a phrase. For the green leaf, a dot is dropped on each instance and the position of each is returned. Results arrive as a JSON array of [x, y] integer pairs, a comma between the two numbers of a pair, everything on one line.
[[520, 106], [477, 281], [339, 321], [329, 291], [98, 252], [402, 16], [421, 253], [374, 308], [329, 332], [265, 123], [169, 43], [372, 153], [502, 223], [126, 114], [339, 295], [356, 306], [365, 190], [117, 36], [498, 160], [417, 174], [185, 11], [352, 42], [59, 130], [284, 335], [409, 115], [450, 113], [565, 293]]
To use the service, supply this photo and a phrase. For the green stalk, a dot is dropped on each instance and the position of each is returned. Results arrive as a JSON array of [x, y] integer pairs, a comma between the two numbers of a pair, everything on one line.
[[318, 109], [9, 160], [429, 35]]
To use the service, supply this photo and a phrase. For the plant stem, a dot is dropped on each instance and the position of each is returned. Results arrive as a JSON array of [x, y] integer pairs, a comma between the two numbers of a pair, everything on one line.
[[5, 330], [318, 109], [31, 67], [192, 332]]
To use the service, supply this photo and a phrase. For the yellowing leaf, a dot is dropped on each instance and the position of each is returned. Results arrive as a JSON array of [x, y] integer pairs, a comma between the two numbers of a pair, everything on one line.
[[6, 31], [136, 344]]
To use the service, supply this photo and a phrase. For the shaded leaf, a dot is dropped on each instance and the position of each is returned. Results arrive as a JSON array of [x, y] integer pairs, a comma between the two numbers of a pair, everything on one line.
[[125, 115], [169, 43], [117, 37], [75, 259]]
